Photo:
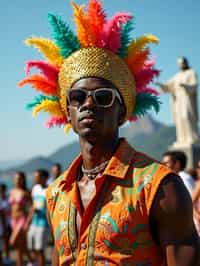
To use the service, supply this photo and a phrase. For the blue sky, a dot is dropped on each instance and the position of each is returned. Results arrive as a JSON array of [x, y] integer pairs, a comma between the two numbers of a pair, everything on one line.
[[176, 23]]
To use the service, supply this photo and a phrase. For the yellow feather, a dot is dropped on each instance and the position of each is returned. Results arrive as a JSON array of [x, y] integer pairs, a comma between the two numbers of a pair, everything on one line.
[[47, 48], [137, 45], [67, 128], [52, 107]]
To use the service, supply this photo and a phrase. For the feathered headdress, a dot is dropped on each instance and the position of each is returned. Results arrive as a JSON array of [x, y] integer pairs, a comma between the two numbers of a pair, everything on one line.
[[99, 42]]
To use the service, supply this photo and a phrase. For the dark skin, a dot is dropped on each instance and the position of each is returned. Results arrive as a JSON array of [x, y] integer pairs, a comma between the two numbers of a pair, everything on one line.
[[171, 223]]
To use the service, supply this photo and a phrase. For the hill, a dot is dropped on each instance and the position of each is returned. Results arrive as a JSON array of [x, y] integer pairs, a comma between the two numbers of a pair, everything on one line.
[[146, 135]]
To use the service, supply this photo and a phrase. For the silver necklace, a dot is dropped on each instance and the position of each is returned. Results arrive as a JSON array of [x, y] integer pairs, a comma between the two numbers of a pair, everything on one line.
[[92, 173]]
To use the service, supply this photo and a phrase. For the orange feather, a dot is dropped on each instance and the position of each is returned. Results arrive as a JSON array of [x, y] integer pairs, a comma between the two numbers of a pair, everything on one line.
[[41, 84], [83, 29], [137, 61], [96, 19]]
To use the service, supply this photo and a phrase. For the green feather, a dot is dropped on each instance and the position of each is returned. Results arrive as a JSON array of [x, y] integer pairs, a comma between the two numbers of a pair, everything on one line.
[[64, 38], [125, 38], [145, 102], [38, 99]]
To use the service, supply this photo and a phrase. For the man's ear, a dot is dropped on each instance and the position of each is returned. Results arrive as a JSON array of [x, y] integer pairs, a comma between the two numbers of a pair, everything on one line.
[[122, 114], [68, 114]]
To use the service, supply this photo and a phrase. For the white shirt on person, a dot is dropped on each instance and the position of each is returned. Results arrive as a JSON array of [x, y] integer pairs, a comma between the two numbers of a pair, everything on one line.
[[188, 181]]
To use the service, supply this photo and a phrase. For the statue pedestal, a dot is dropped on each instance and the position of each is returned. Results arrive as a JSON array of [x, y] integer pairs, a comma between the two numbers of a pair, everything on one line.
[[192, 152]]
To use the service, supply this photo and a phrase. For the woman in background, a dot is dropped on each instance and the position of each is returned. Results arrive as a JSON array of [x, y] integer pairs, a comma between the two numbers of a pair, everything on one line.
[[20, 201]]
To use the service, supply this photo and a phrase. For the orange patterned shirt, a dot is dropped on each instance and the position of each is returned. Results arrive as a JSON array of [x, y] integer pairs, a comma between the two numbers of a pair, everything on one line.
[[114, 227]]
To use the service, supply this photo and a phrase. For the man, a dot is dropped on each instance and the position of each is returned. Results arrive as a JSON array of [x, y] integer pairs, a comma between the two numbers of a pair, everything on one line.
[[55, 172], [183, 88], [38, 230], [113, 205], [177, 161]]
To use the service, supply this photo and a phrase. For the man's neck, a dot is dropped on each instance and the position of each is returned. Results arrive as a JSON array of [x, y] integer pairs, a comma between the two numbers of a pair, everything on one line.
[[97, 152]]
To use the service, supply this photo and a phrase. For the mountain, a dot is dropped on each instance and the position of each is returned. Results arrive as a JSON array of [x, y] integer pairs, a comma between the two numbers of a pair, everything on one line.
[[65, 154], [147, 135], [156, 143], [145, 125]]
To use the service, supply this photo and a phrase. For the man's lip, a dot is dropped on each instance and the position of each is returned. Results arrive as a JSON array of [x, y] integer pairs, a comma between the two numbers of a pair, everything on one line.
[[87, 116]]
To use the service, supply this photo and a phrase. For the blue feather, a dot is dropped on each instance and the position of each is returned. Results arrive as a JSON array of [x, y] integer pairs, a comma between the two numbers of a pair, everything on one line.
[[38, 99], [144, 103]]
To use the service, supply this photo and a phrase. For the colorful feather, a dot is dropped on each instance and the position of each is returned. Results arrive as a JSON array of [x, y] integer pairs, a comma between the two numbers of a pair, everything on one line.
[[137, 61], [96, 18], [83, 29], [125, 38], [47, 48], [56, 121], [111, 35], [67, 128], [63, 36], [139, 44], [144, 103], [144, 77], [38, 99], [48, 70], [52, 107], [148, 90], [41, 84]]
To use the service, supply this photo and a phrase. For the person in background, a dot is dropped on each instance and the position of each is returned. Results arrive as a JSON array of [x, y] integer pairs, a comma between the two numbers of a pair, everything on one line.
[[198, 170], [196, 199], [20, 201], [38, 229], [177, 161], [2, 228], [55, 172], [6, 235]]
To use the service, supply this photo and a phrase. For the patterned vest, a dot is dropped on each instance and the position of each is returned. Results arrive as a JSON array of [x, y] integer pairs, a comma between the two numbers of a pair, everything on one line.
[[115, 226]]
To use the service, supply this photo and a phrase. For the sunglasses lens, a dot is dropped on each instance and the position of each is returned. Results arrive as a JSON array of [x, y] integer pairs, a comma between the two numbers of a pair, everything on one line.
[[77, 97], [104, 97]]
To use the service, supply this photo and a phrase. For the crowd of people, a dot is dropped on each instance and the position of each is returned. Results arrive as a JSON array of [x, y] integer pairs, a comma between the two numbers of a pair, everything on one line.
[[24, 226]]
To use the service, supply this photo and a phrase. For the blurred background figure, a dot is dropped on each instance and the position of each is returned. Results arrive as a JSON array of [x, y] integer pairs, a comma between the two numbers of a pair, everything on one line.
[[6, 235], [177, 161], [55, 172], [38, 230], [20, 201], [2, 228], [196, 199], [198, 170]]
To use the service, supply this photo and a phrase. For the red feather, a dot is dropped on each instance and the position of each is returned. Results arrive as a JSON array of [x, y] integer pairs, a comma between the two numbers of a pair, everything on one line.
[[48, 70], [111, 34], [144, 77]]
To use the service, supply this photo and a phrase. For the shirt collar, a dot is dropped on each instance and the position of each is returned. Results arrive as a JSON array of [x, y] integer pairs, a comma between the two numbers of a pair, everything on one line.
[[117, 166]]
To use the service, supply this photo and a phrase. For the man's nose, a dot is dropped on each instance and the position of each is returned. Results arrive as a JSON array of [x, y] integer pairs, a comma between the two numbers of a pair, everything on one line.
[[89, 101]]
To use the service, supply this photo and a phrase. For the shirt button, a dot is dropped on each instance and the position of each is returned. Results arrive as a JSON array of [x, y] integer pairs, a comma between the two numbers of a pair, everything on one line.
[[83, 246]]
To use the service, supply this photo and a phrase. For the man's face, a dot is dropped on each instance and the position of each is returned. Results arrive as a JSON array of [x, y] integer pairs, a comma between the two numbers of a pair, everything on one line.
[[55, 172], [168, 162], [91, 121], [36, 178]]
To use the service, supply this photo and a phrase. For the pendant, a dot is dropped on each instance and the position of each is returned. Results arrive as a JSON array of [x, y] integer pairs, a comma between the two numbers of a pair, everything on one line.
[[91, 177]]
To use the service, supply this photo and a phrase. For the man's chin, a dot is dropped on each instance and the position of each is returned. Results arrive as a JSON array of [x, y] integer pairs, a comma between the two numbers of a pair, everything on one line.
[[89, 133]]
